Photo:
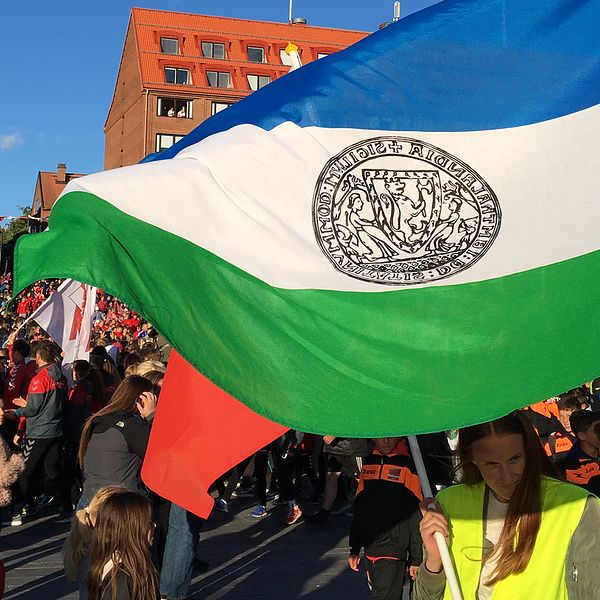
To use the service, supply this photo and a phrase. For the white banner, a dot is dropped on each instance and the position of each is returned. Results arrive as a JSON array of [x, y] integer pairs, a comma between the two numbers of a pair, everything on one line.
[[67, 317]]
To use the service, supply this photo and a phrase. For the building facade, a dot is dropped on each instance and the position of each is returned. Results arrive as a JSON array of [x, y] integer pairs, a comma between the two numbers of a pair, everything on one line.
[[48, 187], [178, 69]]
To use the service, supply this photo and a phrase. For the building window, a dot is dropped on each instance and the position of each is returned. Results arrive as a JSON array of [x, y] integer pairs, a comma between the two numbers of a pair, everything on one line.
[[219, 106], [213, 50], [322, 55], [286, 59], [258, 81], [174, 107], [169, 45], [178, 76], [256, 54], [220, 79], [166, 140]]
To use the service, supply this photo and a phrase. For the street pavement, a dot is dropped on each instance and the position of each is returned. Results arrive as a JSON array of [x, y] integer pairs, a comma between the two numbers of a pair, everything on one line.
[[258, 559]]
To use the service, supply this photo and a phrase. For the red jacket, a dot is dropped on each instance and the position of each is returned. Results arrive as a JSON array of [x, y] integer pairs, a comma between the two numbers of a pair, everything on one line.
[[45, 400], [17, 382]]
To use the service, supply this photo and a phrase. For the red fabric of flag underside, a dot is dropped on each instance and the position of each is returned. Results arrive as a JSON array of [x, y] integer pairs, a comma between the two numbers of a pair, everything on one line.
[[199, 432]]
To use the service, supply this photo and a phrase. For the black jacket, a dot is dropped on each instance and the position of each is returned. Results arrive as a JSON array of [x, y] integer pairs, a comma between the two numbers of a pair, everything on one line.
[[348, 447], [581, 469], [386, 508], [123, 588], [115, 452]]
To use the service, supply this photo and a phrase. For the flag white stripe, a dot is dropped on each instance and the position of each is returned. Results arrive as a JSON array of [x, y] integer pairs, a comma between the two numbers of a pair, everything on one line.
[[250, 184]]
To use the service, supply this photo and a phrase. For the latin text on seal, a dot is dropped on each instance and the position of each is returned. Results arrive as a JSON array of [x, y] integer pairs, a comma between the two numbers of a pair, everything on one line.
[[400, 211]]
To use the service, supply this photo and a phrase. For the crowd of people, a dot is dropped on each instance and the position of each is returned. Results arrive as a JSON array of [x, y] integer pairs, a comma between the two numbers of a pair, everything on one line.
[[76, 441]]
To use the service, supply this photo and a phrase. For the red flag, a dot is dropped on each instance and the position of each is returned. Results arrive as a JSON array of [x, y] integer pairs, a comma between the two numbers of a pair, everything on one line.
[[199, 432]]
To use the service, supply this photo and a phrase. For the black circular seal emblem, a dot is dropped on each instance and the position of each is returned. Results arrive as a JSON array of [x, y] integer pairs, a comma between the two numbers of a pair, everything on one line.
[[399, 211]]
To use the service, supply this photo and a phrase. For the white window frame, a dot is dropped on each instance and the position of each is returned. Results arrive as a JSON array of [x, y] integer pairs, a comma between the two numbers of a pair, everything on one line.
[[177, 69], [187, 104], [218, 74], [212, 50], [257, 85], [286, 59], [217, 107], [174, 139], [258, 62], [176, 40]]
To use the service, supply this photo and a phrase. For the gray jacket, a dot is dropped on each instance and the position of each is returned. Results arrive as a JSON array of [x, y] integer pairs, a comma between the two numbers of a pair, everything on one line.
[[46, 398]]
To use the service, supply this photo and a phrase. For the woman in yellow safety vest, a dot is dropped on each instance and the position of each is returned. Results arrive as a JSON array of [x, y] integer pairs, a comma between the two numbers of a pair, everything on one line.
[[514, 531]]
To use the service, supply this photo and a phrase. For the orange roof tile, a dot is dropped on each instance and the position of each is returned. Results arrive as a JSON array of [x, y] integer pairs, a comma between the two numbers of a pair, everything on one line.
[[237, 34]]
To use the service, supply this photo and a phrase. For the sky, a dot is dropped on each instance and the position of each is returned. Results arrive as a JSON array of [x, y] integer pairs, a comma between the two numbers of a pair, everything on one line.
[[60, 62]]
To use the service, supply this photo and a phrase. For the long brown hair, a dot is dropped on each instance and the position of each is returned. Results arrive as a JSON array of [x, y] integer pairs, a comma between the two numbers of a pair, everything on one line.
[[518, 536], [124, 400], [122, 534], [78, 542]]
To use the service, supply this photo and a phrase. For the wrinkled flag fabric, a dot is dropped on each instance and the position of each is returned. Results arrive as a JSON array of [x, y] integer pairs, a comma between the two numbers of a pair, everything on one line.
[[398, 238]]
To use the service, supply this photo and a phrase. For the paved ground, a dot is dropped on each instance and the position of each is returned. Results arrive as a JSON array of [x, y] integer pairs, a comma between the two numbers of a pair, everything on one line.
[[249, 558]]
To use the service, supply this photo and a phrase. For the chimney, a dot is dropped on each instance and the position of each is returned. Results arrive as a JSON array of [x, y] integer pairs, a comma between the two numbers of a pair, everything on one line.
[[61, 173]]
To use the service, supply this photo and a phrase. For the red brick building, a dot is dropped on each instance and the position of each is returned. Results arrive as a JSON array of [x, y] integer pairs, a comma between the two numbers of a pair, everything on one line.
[[178, 69]]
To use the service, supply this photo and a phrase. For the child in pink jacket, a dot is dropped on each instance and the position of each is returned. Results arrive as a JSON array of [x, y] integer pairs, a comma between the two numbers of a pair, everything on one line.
[[11, 466]]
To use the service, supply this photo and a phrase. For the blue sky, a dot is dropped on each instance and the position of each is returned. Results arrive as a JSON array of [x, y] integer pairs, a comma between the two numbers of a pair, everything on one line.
[[60, 61]]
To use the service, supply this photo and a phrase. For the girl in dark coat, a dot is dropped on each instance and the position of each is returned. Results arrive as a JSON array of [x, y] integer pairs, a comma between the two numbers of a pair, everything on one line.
[[121, 567]]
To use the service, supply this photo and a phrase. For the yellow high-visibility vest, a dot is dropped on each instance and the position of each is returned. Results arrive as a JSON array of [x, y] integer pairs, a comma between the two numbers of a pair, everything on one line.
[[544, 577]]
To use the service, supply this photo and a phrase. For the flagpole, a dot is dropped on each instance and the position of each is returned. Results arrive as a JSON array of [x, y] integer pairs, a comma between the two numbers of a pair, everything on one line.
[[292, 51], [27, 320], [439, 537]]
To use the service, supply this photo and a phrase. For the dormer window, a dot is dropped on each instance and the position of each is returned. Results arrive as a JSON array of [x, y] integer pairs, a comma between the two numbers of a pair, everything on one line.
[[256, 54], [177, 75], [220, 79], [258, 81], [286, 59], [169, 45], [213, 50]]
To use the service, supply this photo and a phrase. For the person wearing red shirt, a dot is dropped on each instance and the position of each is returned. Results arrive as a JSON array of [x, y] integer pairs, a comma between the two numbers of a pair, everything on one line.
[[37, 301], [102, 305], [43, 407], [132, 323], [22, 307], [16, 384]]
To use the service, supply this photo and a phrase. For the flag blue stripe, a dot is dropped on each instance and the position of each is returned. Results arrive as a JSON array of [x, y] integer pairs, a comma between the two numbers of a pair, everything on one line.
[[460, 65]]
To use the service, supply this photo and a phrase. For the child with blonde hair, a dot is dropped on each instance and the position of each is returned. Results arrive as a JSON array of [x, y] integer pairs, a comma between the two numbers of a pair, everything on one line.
[[121, 567], [76, 551]]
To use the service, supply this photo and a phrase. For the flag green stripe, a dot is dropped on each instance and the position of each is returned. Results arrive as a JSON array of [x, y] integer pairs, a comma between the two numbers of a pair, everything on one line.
[[343, 363]]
